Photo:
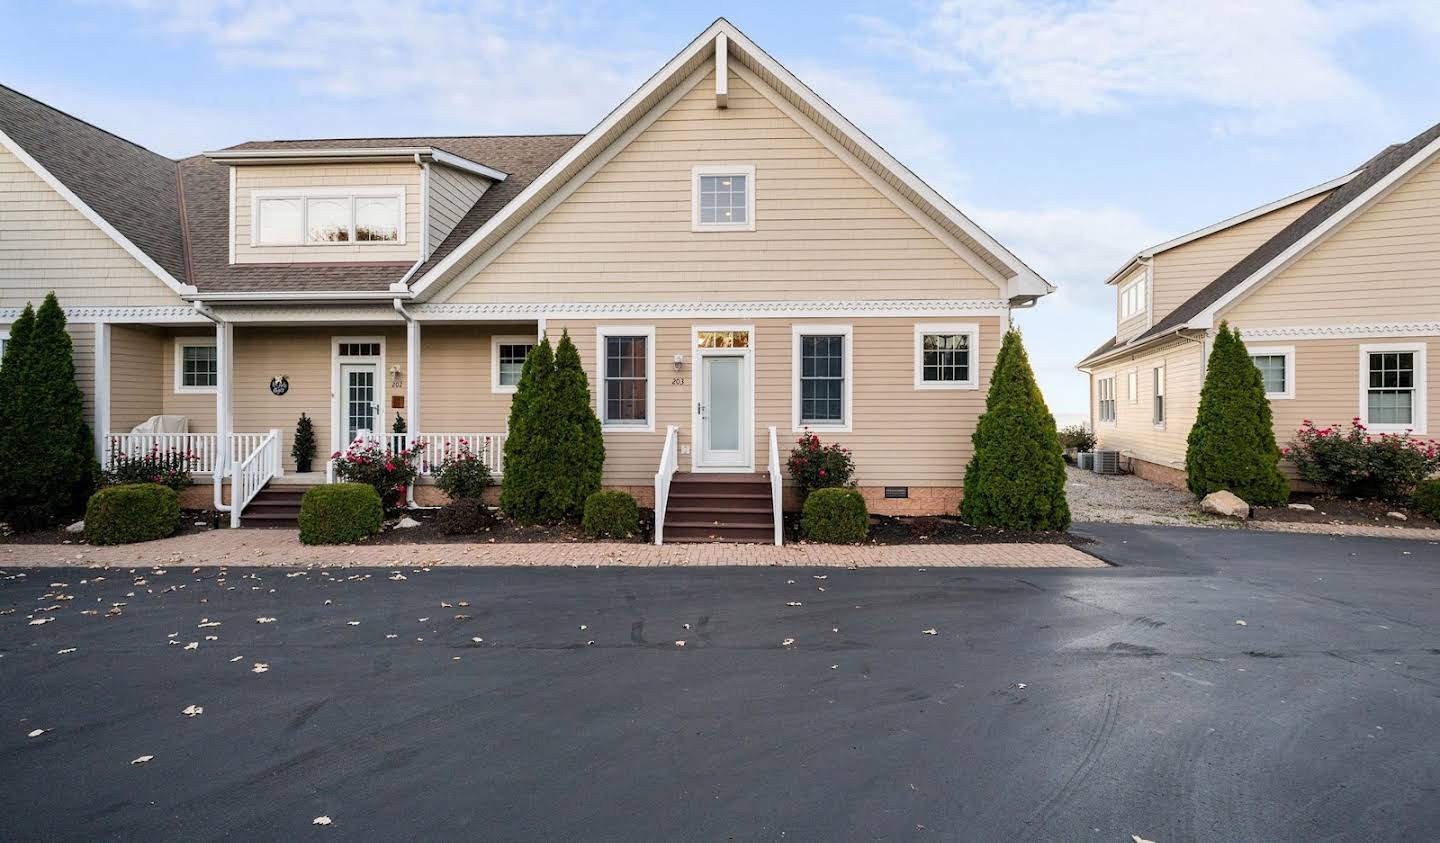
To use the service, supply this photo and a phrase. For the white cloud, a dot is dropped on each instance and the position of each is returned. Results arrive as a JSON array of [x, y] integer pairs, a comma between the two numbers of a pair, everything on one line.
[[1266, 66]]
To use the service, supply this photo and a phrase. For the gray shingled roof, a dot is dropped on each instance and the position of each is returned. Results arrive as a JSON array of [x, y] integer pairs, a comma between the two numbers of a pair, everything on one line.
[[1372, 171], [129, 186]]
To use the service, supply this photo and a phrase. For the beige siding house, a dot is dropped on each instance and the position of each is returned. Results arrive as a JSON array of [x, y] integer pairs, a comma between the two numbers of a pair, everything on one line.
[[735, 261], [1333, 289]]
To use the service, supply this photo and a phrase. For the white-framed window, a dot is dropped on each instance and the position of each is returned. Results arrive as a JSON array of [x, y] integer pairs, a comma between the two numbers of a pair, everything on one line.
[[197, 364], [1277, 369], [1132, 384], [947, 356], [4, 342], [722, 197], [1132, 298], [822, 377], [1392, 387], [1105, 397], [327, 216], [507, 358], [626, 376], [1157, 413]]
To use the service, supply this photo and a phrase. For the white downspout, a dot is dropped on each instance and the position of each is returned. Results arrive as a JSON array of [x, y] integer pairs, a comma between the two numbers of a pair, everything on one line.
[[224, 350], [412, 384]]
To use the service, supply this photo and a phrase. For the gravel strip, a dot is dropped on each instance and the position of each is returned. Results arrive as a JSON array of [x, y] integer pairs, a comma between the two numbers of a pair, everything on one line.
[[1127, 499]]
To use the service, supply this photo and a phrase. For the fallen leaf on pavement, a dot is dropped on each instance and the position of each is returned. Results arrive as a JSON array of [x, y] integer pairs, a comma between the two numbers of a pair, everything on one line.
[[1241, 623], [193, 710], [237, 658], [787, 642], [38, 732], [193, 645], [352, 623], [1135, 838], [930, 631], [39, 621], [794, 603], [320, 821], [260, 667], [264, 620], [65, 652], [679, 643], [142, 759]]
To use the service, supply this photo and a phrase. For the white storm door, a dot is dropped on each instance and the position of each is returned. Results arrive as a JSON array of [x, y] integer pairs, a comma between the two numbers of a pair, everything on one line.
[[359, 407], [724, 411]]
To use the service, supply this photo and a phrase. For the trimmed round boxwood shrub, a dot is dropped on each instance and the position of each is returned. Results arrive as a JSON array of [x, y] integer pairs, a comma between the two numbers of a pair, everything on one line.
[[835, 516], [1426, 500], [610, 515], [133, 512], [464, 516], [340, 513]]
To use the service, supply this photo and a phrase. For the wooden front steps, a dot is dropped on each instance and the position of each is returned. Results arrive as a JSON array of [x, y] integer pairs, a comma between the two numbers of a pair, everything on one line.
[[274, 506], [732, 508]]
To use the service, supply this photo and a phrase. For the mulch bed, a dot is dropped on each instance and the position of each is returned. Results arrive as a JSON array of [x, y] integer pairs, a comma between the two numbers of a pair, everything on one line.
[[503, 532], [1331, 510], [948, 529], [191, 521]]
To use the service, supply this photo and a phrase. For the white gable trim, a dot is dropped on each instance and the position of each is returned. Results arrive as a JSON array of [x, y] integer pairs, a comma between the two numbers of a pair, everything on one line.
[[1231, 222], [1206, 318], [1024, 281], [89, 213]]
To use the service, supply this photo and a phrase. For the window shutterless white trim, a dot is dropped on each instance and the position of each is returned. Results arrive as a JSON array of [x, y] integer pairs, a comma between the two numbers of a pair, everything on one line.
[[1157, 403], [337, 403], [495, 343], [746, 171], [1286, 351], [1133, 299], [303, 194], [972, 365], [1132, 382], [847, 410], [1105, 395], [1418, 392], [182, 343], [601, 334], [4, 341]]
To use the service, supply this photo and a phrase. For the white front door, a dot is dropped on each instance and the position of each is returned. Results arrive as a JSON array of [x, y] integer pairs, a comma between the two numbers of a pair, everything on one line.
[[359, 401], [724, 438]]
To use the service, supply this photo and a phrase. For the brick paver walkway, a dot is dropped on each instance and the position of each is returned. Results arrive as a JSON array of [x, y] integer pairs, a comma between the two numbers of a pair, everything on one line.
[[283, 548]]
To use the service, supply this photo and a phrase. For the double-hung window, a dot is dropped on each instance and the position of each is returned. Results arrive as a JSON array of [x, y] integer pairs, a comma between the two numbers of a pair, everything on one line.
[[723, 197], [1157, 416], [947, 356], [197, 365], [507, 359], [327, 216], [1393, 387], [1105, 396], [1277, 370], [627, 372], [822, 382]]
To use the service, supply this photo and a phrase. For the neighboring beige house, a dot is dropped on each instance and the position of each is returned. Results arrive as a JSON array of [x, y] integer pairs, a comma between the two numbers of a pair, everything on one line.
[[735, 261], [1335, 290]]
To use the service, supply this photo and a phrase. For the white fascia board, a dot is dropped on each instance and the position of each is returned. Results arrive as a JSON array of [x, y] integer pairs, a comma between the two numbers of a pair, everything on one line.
[[305, 296], [1205, 319], [440, 156], [1253, 213], [89, 213], [371, 154]]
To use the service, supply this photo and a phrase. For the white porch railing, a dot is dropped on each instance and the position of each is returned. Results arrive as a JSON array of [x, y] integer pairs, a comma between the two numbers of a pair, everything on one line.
[[489, 447], [196, 451], [252, 473], [776, 491], [669, 464]]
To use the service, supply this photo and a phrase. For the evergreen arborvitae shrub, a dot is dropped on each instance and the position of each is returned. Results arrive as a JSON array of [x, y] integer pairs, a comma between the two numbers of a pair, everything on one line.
[[1232, 444], [528, 489], [48, 454], [303, 448], [610, 515], [134, 512], [1016, 477], [12, 417], [580, 447], [340, 513], [835, 516]]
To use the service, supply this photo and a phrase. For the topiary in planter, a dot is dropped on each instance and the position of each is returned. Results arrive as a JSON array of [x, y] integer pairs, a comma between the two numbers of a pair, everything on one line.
[[134, 512], [835, 516], [340, 513], [1426, 499], [610, 515], [464, 516]]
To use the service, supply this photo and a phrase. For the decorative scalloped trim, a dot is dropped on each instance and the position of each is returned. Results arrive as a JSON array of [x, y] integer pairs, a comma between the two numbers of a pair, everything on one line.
[[163, 313], [1337, 332]]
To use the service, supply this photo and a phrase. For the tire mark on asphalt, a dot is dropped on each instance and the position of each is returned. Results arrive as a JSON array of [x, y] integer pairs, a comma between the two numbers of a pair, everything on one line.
[[1110, 715]]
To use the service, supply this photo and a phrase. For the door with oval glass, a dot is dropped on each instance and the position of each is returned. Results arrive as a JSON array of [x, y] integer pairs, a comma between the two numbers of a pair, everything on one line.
[[724, 432]]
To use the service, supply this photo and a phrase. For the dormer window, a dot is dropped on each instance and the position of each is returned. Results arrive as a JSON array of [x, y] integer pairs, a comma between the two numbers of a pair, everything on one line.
[[328, 216], [723, 198], [1133, 299]]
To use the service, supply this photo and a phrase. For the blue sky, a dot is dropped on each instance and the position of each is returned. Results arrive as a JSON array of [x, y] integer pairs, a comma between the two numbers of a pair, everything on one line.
[[1076, 132]]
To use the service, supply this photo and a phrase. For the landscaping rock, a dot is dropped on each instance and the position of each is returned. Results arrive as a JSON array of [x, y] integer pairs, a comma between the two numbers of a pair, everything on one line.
[[77, 527], [406, 523], [1302, 507], [1225, 503], [1398, 516]]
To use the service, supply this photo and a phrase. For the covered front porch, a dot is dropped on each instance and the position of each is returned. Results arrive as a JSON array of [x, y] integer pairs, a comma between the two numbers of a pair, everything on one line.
[[223, 394]]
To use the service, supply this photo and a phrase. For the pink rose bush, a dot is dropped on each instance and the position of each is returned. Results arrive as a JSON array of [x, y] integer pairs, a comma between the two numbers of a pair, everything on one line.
[[816, 466], [390, 472], [1354, 463]]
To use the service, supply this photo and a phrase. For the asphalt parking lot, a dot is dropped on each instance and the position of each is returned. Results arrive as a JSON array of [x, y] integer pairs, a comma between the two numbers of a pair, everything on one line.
[[1224, 685]]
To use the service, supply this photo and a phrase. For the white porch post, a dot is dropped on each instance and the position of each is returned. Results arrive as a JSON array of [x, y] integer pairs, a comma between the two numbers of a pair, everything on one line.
[[224, 373], [412, 377], [102, 393]]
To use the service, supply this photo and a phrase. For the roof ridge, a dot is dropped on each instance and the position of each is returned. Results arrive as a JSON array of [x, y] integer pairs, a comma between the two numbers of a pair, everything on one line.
[[62, 112]]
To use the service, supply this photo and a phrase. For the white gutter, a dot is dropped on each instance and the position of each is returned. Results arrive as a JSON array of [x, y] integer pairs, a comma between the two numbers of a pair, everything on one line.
[[335, 155], [222, 438], [300, 296]]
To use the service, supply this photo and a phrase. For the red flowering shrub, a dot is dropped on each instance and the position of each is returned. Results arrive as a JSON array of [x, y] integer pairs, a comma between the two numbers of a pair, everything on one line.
[[168, 467], [1354, 463], [816, 466], [370, 462], [462, 473]]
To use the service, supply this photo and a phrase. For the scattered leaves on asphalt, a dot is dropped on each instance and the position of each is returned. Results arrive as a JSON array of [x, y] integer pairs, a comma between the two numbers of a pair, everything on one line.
[[260, 667], [39, 621], [193, 645], [142, 759]]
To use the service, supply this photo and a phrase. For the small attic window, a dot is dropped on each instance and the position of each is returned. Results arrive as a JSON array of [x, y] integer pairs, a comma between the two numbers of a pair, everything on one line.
[[328, 216], [723, 198]]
